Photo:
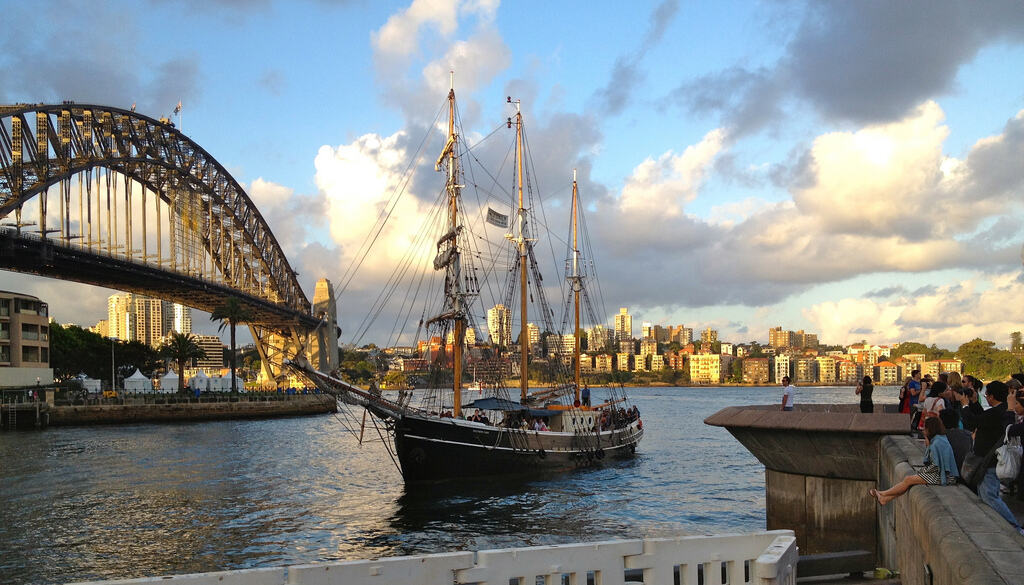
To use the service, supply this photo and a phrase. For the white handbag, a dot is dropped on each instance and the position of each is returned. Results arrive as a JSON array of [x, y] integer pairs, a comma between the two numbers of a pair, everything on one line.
[[1008, 457]]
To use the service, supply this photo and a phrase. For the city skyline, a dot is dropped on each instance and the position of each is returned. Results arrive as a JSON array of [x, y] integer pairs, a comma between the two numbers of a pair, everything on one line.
[[744, 165]]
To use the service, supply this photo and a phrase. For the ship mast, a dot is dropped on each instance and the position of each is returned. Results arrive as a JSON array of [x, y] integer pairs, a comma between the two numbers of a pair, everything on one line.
[[524, 338], [576, 281], [453, 276]]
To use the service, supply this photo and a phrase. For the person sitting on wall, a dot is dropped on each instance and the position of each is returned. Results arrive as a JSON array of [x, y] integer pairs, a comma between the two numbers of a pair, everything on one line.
[[939, 464]]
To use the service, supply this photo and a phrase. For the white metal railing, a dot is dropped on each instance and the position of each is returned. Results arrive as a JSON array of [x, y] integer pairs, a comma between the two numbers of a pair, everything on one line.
[[763, 558]]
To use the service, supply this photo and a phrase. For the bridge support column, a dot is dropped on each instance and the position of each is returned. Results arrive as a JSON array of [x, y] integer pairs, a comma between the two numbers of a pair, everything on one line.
[[325, 308]]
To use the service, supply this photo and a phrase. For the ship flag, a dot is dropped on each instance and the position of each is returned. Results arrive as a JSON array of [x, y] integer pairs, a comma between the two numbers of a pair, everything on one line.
[[497, 219]]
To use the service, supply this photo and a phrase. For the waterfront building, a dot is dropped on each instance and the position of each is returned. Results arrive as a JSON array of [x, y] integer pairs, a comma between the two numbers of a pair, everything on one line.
[[781, 367], [657, 362], [848, 372], [660, 334], [648, 346], [533, 333], [755, 370], [598, 338], [603, 363], [639, 363], [805, 370], [726, 349], [646, 329], [623, 325], [709, 335], [622, 360], [627, 346], [561, 345], [886, 374], [499, 325], [706, 368], [676, 360], [951, 365], [826, 369], [24, 340], [586, 363]]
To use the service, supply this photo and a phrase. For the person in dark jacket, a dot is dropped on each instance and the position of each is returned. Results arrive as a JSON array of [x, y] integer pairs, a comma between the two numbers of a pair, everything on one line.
[[990, 427], [865, 388]]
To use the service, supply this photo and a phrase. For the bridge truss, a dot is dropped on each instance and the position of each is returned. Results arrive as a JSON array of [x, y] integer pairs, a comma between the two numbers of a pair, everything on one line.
[[114, 198]]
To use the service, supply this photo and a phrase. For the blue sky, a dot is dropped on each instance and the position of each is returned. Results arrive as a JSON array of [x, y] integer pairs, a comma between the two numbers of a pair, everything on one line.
[[847, 168]]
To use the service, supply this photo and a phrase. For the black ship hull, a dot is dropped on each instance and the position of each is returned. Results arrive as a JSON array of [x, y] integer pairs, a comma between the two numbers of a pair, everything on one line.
[[437, 449]]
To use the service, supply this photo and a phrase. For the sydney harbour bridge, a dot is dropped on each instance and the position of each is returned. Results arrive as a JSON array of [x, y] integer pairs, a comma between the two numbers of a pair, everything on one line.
[[113, 198]]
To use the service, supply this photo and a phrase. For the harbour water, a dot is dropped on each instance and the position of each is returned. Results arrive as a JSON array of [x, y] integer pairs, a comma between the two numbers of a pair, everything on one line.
[[152, 499]]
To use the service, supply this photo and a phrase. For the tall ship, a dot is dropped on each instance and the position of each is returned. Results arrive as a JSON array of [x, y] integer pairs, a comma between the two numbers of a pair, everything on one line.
[[466, 422]]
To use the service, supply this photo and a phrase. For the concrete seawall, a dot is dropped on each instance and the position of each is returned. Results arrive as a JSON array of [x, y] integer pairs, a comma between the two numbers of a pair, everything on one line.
[[194, 411], [942, 535], [820, 461]]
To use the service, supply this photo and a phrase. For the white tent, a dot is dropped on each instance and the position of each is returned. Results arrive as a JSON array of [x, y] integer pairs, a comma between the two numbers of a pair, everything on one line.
[[88, 384], [220, 384], [169, 383], [200, 382], [138, 382]]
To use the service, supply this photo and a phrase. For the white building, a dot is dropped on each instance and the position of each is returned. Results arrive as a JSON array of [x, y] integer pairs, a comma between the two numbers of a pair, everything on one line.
[[499, 325], [623, 325]]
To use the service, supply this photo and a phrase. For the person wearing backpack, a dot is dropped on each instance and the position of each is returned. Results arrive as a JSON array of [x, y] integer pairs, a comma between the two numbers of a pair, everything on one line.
[[990, 428]]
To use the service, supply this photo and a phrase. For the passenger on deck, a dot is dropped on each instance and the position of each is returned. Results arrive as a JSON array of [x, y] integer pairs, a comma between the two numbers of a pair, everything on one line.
[[939, 464]]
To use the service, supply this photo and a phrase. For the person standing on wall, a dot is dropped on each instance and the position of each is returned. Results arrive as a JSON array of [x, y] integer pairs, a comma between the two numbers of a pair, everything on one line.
[[788, 394], [864, 389]]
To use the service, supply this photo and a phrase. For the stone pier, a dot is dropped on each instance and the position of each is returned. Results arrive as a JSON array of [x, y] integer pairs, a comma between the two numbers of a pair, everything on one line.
[[820, 461]]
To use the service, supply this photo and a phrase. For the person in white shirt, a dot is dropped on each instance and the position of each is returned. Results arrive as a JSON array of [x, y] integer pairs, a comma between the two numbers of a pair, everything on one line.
[[788, 395]]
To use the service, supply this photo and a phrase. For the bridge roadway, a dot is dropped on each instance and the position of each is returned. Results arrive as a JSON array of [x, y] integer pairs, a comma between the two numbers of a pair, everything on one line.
[[31, 254]]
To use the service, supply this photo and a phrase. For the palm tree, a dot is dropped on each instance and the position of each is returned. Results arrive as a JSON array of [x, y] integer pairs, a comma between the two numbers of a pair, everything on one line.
[[231, 313], [181, 348]]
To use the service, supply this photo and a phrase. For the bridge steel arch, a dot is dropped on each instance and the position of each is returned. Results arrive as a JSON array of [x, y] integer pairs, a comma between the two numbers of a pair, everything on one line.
[[43, 146]]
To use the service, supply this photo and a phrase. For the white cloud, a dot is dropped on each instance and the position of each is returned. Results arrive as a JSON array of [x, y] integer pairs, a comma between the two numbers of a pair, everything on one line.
[[986, 306], [665, 185]]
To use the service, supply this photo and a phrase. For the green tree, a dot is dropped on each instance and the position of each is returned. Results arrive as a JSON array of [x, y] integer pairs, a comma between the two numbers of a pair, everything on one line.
[[395, 379], [737, 370], [982, 359], [181, 348], [229, 314]]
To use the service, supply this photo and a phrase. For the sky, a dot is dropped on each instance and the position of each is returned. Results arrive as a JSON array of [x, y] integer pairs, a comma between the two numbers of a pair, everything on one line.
[[847, 168]]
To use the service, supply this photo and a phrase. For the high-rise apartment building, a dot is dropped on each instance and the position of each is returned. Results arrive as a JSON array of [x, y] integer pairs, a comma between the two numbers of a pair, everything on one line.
[[533, 332], [132, 317], [648, 346], [709, 335], [499, 325], [623, 325], [214, 348], [646, 329], [781, 368], [684, 335]]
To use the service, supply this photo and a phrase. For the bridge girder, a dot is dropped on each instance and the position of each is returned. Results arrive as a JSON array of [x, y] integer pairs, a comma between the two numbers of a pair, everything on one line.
[[43, 146]]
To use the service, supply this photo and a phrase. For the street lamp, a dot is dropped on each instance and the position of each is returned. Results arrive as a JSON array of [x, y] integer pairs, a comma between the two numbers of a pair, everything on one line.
[[113, 372]]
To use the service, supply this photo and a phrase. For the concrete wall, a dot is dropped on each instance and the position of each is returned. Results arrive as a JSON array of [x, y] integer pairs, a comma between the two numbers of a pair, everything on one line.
[[827, 514], [137, 413], [944, 531], [14, 377]]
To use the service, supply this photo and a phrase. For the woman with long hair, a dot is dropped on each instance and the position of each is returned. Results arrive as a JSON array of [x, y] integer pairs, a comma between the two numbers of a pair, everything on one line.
[[939, 464]]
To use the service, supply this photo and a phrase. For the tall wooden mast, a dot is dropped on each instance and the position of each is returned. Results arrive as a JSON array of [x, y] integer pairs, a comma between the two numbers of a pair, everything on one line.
[[575, 281], [453, 277], [524, 338]]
